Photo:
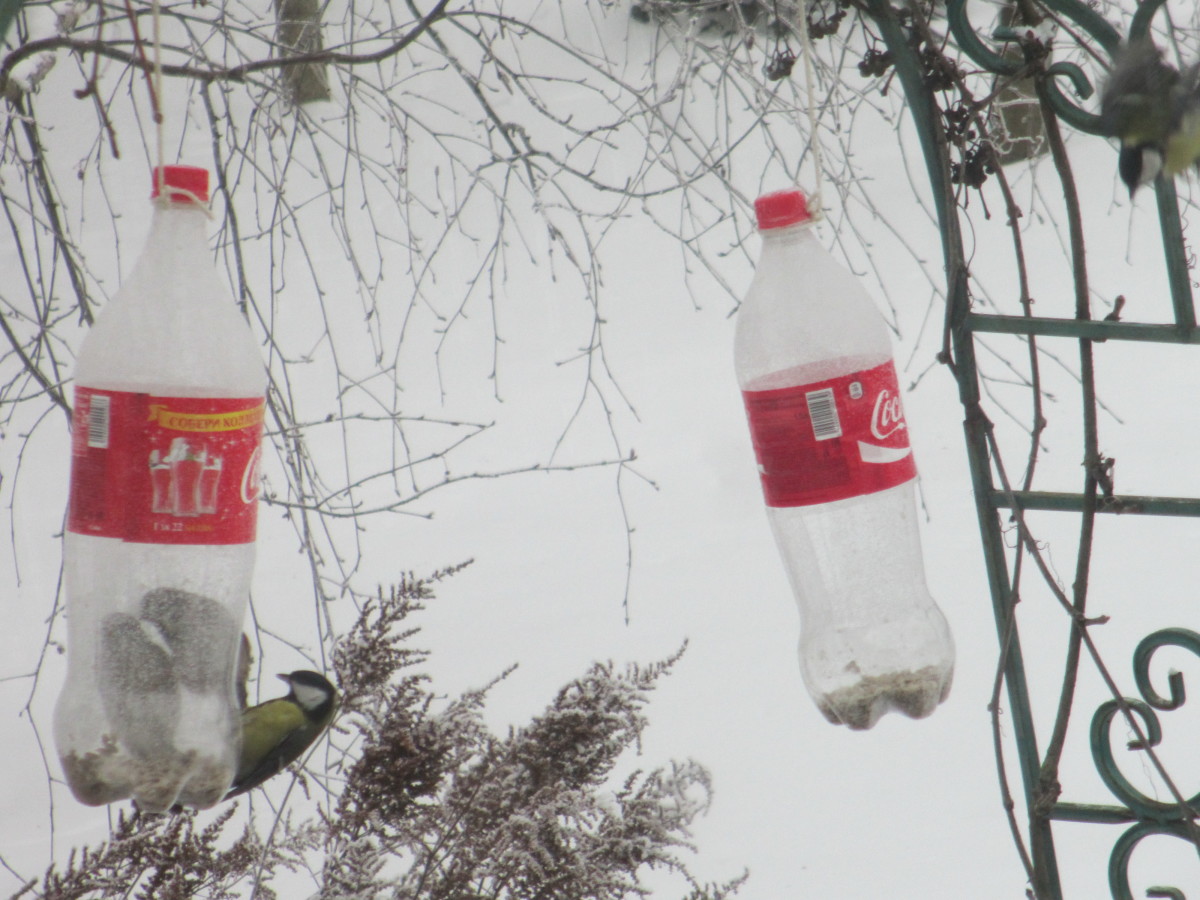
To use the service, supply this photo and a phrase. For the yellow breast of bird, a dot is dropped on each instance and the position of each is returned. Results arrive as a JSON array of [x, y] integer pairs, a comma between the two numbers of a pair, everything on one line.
[[1183, 148], [264, 727]]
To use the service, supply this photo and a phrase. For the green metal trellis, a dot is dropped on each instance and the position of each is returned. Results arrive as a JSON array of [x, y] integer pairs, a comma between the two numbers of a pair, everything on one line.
[[1140, 815]]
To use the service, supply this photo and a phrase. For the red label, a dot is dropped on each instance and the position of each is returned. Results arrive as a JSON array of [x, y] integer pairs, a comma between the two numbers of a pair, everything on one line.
[[830, 440], [165, 470]]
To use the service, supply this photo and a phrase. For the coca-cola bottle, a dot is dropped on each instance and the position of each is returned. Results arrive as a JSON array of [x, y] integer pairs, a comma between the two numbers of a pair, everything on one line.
[[158, 556], [814, 363]]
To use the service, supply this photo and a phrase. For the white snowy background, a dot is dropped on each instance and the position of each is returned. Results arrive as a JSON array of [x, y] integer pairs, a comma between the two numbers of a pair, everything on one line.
[[910, 809]]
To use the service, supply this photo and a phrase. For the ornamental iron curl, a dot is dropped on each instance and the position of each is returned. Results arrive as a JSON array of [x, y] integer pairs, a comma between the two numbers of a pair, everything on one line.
[[1144, 807], [1118, 862], [1167, 637], [1086, 18], [1154, 816], [1109, 769]]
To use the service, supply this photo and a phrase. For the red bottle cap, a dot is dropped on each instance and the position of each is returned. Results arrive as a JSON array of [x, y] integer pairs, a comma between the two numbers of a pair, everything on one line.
[[781, 208], [192, 179]]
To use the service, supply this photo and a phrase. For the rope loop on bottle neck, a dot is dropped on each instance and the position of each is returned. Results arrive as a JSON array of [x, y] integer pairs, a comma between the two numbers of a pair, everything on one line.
[[170, 197], [166, 196]]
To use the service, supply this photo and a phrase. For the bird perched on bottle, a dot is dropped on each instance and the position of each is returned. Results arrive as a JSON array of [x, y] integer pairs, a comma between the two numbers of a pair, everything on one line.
[[1154, 110], [276, 733]]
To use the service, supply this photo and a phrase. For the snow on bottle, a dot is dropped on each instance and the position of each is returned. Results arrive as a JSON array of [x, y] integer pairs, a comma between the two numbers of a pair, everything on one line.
[[814, 363], [159, 548]]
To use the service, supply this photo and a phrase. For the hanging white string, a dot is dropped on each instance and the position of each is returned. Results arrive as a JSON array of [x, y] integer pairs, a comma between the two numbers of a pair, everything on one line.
[[159, 115], [810, 99], [165, 195]]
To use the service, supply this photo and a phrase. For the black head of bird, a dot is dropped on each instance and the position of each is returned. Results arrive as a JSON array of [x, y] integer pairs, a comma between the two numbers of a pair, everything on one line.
[[276, 733], [1154, 111]]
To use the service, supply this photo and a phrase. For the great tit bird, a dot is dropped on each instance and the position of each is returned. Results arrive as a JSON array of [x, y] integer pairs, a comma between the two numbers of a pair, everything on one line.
[[275, 733], [1154, 110]]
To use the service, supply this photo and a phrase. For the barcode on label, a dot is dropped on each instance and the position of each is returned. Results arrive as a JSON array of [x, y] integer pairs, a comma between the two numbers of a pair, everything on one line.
[[97, 421], [822, 411]]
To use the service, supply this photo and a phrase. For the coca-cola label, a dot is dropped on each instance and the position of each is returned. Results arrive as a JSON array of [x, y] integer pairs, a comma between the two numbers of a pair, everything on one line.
[[830, 440], [165, 470]]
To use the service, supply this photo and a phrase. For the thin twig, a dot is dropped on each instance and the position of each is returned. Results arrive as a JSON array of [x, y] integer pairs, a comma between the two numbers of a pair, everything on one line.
[[218, 73], [1058, 735]]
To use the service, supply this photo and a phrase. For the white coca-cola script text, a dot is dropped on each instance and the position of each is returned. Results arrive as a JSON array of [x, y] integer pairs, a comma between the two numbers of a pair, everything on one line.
[[888, 415]]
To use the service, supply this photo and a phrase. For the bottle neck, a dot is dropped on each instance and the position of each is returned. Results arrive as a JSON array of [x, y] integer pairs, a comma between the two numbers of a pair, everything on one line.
[[786, 234], [174, 222], [175, 253]]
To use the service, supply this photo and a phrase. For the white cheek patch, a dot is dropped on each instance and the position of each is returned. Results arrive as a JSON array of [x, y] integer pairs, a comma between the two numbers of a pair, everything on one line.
[[308, 697], [1152, 163]]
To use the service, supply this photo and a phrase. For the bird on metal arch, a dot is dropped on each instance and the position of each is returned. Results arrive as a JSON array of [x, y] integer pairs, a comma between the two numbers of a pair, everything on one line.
[[1153, 109]]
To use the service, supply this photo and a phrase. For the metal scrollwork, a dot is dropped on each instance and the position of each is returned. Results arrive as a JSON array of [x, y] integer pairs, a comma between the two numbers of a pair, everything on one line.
[[1118, 863], [1139, 25], [1157, 817], [1169, 637], [1086, 18], [1106, 764], [1110, 772]]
